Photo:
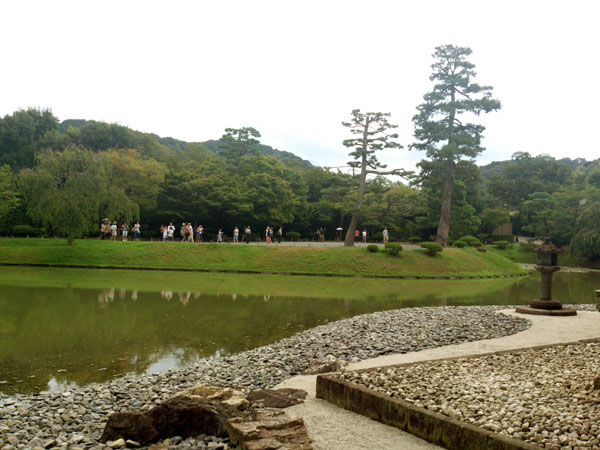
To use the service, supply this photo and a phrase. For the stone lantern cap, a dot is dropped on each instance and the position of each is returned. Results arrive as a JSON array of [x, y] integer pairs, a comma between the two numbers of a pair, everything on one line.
[[547, 253]]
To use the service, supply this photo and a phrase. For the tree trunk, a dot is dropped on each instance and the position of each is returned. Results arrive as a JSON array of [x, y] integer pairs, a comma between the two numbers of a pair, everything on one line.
[[349, 239], [444, 226]]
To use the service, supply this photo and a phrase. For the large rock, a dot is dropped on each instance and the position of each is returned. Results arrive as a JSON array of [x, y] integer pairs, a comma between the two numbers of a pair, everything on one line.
[[227, 396], [277, 398], [205, 409], [269, 429], [324, 365], [178, 416]]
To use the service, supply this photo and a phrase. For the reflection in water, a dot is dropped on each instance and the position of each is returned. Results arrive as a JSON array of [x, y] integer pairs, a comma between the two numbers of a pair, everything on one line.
[[94, 337]]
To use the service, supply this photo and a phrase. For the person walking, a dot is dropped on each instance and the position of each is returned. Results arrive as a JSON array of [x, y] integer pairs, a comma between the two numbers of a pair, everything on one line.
[[385, 235], [248, 234], [190, 232], [136, 231], [163, 230], [279, 234], [113, 231], [220, 235], [364, 236], [124, 231], [236, 234], [356, 234], [268, 235], [170, 232]]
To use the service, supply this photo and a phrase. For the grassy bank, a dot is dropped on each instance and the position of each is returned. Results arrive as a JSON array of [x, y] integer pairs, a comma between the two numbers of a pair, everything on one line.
[[254, 259], [516, 254]]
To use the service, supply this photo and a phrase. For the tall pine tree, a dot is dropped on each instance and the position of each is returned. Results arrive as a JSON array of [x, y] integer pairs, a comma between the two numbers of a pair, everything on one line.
[[438, 129]]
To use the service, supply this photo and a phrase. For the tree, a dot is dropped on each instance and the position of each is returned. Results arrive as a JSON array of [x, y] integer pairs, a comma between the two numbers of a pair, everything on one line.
[[65, 190], [24, 133], [238, 142], [586, 241], [438, 129], [140, 178], [371, 131], [8, 191]]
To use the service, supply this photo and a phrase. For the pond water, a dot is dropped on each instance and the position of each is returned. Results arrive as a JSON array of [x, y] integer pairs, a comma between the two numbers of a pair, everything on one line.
[[65, 327]]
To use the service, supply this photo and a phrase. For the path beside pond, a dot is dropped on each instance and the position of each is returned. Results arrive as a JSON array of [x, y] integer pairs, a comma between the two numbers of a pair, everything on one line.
[[334, 428]]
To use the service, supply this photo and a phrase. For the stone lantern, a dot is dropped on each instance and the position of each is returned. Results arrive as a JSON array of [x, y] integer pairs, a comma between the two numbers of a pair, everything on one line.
[[547, 264]]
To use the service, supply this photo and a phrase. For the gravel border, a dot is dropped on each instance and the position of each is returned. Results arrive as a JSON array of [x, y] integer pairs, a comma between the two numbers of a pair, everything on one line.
[[76, 418]]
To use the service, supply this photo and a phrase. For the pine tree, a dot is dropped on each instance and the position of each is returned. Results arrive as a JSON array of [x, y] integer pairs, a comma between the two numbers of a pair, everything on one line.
[[371, 130], [438, 129]]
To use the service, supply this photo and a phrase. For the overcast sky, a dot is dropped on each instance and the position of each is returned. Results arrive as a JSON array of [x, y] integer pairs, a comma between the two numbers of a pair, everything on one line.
[[295, 70]]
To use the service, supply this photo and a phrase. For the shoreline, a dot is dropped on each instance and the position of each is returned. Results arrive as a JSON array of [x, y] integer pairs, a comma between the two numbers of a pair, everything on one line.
[[84, 410], [250, 272]]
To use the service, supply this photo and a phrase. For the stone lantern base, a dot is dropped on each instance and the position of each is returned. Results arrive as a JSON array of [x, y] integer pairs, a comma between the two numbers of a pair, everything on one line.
[[546, 308]]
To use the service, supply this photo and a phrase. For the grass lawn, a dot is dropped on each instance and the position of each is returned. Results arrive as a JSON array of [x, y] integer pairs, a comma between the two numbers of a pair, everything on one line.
[[340, 261], [516, 254]]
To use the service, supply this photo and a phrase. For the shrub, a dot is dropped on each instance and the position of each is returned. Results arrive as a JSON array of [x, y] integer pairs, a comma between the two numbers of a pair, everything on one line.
[[291, 235], [527, 247], [26, 230], [433, 248], [393, 249], [372, 248], [414, 239], [460, 244], [471, 241], [586, 243], [502, 245]]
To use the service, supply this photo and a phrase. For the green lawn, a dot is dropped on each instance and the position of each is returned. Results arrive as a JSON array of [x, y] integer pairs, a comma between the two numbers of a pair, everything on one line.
[[253, 259], [515, 253]]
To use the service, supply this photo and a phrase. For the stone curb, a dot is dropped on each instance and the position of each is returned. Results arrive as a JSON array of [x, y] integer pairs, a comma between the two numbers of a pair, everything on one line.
[[252, 272], [430, 426]]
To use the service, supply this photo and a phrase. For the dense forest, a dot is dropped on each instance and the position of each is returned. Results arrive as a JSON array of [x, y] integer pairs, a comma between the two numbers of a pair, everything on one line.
[[56, 175]]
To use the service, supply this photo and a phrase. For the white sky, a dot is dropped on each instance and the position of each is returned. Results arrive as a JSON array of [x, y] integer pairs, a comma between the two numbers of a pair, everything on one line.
[[295, 70]]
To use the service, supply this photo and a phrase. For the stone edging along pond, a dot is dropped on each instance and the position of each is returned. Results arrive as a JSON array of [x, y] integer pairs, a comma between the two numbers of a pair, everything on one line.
[[433, 427], [252, 272]]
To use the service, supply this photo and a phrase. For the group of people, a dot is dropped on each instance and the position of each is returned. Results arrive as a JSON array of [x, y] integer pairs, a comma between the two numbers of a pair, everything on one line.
[[111, 231], [187, 233]]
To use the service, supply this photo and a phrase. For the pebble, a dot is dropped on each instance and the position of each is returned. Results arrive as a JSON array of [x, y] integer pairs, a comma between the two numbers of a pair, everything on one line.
[[84, 410], [543, 396]]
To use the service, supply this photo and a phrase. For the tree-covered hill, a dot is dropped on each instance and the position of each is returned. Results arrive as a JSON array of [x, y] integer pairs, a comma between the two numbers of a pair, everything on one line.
[[118, 135]]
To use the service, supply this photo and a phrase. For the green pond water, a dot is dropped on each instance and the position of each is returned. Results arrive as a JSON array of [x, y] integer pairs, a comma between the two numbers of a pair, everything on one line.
[[66, 327]]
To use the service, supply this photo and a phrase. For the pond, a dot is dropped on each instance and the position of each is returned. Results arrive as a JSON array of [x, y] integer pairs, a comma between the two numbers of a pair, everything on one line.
[[65, 327]]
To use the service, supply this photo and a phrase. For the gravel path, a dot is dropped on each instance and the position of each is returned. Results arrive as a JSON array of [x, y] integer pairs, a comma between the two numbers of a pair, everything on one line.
[[544, 397], [75, 419]]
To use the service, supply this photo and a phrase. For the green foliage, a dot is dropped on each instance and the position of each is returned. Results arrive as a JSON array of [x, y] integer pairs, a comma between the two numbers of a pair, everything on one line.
[[414, 239], [502, 245], [444, 137], [65, 190], [291, 235], [9, 199], [491, 218], [433, 248], [471, 241], [525, 175], [586, 241], [527, 247], [372, 248], [27, 230], [393, 249], [371, 134], [24, 133], [460, 244], [237, 143]]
